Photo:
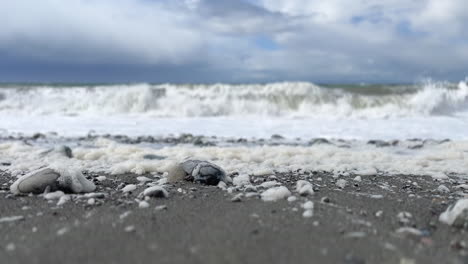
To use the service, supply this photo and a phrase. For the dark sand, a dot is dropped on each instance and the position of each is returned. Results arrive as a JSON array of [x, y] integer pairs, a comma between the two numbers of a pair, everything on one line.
[[203, 225]]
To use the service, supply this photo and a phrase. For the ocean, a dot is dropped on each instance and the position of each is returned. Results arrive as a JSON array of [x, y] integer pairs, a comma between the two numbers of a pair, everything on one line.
[[427, 110], [256, 129]]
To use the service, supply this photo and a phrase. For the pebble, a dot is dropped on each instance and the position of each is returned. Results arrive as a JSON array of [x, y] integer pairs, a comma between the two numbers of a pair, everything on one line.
[[156, 191], [456, 214], [53, 195], [91, 201], [10, 247], [357, 179], [203, 172], [129, 229], [443, 189], [143, 204], [62, 231], [160, 207], [129, 188], [292, 198], [308, 213], [304, 188], [341, 183], [101, 178], [237, 198]]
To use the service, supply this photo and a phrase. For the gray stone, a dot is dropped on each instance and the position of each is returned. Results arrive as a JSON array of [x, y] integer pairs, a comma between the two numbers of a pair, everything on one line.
[[36, 182], [203, 172]]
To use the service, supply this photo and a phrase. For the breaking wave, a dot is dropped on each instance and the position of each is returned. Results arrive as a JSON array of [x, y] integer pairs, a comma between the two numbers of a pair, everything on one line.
[[276, 99]]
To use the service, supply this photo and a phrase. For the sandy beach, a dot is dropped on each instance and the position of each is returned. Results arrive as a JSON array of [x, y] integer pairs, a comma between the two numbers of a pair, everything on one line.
[[375, 220]]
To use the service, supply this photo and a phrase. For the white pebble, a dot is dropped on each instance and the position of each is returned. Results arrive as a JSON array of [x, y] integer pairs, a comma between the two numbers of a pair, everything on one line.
[[292, 198], [341, 183], [143, 204], [129, 188], [357, 179], [101, 178], [53, 195], [309, 205], [308, 213], [275, 193], [91, 201]]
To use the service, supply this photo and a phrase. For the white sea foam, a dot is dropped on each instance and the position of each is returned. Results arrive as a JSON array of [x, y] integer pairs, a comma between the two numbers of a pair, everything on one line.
[[437, 160], [275, 99], [431, 110]]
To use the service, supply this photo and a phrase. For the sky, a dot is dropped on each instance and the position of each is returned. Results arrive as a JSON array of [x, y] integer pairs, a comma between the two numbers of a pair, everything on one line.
[[233, 41]]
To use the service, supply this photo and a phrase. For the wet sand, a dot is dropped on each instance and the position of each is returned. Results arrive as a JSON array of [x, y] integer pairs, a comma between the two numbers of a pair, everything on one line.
[[202, 225]]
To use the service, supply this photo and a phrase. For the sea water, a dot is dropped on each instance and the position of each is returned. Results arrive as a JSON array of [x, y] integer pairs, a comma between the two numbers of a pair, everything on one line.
[[304, 110]]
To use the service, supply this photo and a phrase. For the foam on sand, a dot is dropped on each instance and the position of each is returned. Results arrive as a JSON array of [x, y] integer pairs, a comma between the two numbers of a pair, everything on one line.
[[107, 156]]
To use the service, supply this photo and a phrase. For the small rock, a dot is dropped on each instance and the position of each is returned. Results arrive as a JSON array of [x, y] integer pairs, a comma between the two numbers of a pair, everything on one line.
[[237, 198], [101, 178], [53, 195], [156, 191], [292, 198], [357, 179], [143, 204], [341, 183], [203, 172], [456, 215], [404, 217], [129, 188], [10, 247], [275, 193], [129, 229], [160, 207], [308, 213], [91, 201], [309, 205], [304, 188]]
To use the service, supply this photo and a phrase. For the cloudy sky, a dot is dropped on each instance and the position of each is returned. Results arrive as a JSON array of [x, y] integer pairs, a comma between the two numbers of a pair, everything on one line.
[[233, 40]]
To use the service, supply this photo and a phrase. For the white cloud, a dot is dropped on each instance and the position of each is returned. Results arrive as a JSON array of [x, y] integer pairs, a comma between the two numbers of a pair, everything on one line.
[[392, 40]]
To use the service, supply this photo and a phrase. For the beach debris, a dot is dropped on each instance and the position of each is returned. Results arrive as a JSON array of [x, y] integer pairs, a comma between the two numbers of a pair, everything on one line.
[[304, 188], [155, 191], [129, 188], [275, 193], [198, 171], [456, 215], [60, 178], [379, 213]]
